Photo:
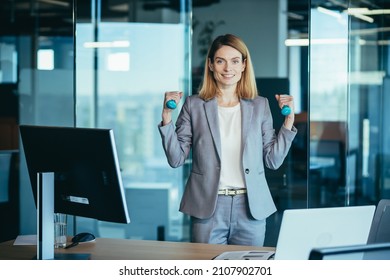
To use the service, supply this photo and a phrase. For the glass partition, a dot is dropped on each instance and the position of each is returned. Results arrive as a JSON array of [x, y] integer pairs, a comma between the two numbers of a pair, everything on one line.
[[43, 51], [271, 30], [368, 100], [127, 56], [103, 63], [348, 117], [106, 63], [328, 103]]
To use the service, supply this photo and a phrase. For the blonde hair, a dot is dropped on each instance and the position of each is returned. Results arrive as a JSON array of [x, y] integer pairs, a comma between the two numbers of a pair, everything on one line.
[[246, 86]]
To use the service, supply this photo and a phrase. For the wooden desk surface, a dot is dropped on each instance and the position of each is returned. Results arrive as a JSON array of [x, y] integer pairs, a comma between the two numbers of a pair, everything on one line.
[[127, 249]]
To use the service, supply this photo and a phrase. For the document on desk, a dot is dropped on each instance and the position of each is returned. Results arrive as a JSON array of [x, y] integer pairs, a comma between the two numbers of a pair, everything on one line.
[[26, 240], [246, 255]]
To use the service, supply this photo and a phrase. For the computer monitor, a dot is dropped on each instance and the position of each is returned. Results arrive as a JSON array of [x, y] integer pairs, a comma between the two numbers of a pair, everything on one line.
[[87, 178], [73, 171]]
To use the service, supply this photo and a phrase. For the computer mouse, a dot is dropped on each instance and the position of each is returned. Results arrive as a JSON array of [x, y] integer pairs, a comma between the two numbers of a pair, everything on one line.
[[83, 237]]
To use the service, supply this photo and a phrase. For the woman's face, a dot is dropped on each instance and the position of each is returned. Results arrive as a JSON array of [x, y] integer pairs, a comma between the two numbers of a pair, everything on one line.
[[227, 67]]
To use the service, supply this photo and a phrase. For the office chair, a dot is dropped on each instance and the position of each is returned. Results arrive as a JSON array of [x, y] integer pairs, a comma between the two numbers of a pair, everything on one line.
[[380, 227]]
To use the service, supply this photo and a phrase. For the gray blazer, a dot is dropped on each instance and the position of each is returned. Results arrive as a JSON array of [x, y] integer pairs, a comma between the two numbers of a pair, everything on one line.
[[197, 128]]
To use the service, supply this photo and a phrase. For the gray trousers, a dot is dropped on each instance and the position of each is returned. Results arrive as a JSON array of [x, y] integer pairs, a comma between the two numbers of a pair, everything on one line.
[[231, 223]]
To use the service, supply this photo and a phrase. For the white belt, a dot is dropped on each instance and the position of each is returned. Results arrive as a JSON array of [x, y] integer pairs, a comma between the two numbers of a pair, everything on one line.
[[231, 192]]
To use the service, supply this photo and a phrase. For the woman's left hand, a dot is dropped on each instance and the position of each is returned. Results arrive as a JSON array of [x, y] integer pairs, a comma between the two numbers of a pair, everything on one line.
[[285, 99]]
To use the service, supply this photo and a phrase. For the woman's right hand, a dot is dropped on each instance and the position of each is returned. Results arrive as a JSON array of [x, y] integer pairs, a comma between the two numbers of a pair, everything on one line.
[[166, 113]]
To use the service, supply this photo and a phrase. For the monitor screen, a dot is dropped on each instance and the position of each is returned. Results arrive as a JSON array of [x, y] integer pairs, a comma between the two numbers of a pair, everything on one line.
[[84, 161]]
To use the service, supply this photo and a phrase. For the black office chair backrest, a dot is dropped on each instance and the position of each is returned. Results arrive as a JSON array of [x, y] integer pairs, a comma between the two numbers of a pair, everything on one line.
[[380, 227]]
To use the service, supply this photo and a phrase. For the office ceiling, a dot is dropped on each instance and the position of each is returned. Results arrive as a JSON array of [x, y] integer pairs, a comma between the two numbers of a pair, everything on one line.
[[23, 16]]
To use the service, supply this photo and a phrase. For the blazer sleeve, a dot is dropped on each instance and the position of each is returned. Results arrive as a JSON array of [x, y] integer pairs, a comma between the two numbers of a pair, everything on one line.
[[275, 147], [177, 140]]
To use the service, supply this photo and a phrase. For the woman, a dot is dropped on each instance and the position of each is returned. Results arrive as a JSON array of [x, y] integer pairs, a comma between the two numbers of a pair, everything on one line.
[[230, 131]]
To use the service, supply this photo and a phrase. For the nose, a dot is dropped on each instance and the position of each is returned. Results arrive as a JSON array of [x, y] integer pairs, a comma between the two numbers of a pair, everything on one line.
[[227, 66]]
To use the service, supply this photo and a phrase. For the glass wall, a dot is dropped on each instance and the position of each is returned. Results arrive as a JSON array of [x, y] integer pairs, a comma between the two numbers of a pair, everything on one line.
[[106, 63], [348, 95], [127, 56], [280, 67], [328, 103], [43, 53], [368, 98]]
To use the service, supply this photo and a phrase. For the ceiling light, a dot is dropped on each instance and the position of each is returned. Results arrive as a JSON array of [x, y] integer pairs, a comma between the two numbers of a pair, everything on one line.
[[114, 44], [295, 16], [56, 2], [360, 13], [378, 12], [328, 12], [366, 11], [296, 42], [306, 42], [363, 17]]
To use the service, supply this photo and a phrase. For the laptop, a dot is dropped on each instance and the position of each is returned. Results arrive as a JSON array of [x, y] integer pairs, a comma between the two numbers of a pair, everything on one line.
[[302, 230], [373, 251]]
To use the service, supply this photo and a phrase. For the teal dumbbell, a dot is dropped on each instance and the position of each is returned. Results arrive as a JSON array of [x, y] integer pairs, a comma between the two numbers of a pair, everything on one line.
[[171, 104], [286, 110]]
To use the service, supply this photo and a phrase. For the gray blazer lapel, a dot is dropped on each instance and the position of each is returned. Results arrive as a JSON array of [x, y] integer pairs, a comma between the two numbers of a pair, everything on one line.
[[211, 109], [246, 119]]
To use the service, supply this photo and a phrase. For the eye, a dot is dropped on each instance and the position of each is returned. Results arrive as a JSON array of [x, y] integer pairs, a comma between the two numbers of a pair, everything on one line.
[[219, 61], [236, 61]]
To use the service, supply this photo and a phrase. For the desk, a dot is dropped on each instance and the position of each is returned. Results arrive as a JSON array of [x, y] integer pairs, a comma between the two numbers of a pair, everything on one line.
[[127, 249]]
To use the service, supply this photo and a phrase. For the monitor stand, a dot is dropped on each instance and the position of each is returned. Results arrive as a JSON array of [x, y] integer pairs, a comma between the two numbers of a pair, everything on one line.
[[45, 220]]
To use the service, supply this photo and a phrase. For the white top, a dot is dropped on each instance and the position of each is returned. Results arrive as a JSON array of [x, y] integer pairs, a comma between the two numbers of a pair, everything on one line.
[[231, 163]]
